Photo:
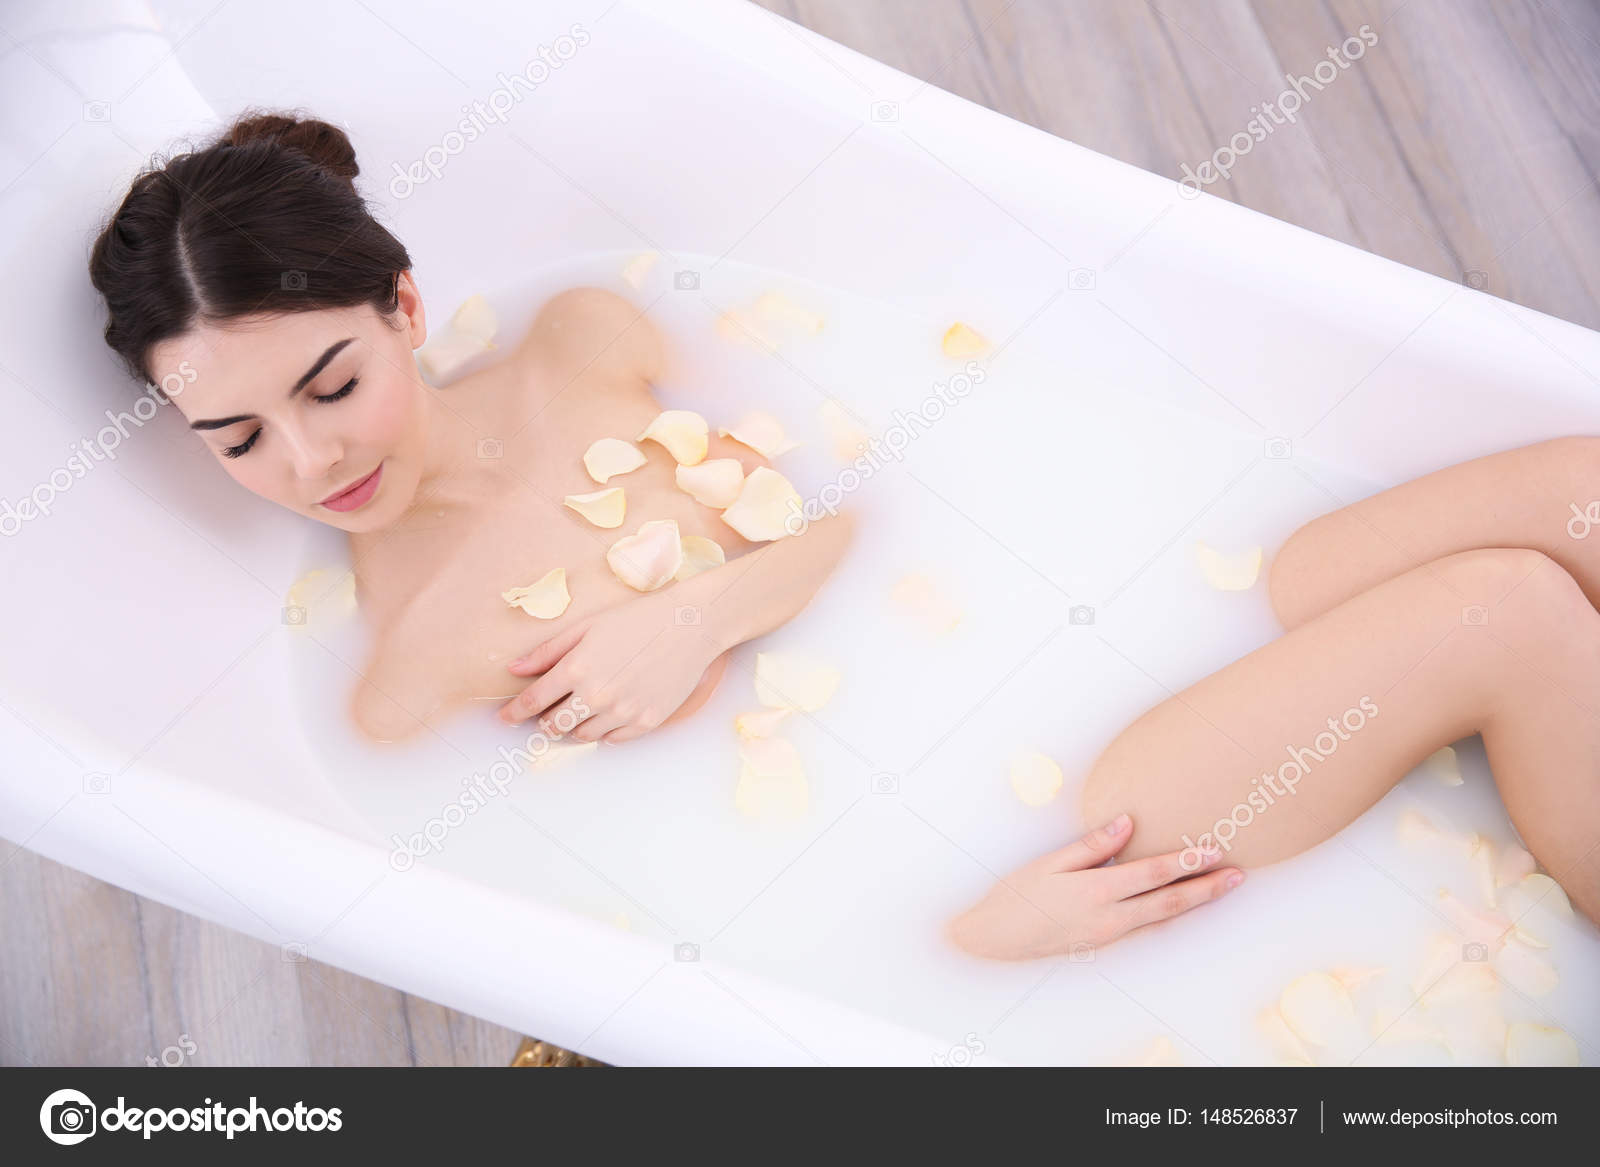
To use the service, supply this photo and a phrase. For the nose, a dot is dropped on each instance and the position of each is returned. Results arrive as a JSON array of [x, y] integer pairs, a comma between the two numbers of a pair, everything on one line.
[[312, 454]]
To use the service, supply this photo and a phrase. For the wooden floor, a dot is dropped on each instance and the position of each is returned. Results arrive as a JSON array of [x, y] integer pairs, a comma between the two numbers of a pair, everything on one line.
[[1466, 143]]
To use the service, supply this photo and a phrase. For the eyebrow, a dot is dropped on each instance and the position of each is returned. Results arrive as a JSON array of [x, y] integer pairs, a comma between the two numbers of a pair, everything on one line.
[[217, 423]]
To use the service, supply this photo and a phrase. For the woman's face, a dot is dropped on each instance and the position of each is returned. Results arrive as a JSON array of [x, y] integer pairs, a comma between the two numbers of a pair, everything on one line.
[[322, 412]]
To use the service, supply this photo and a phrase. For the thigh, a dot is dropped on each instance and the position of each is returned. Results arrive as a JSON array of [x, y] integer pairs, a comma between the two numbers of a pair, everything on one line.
[[1291, 743]]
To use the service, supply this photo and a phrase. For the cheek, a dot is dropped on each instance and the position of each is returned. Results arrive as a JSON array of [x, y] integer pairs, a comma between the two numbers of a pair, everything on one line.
[[388, 416]]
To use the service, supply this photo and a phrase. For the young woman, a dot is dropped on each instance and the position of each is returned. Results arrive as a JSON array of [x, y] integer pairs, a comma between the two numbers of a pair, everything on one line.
[[1455, 604], [255, 267]]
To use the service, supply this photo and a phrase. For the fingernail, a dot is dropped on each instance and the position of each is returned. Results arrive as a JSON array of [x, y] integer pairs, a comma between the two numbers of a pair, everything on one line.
[[1235, 880], [1118, 825]]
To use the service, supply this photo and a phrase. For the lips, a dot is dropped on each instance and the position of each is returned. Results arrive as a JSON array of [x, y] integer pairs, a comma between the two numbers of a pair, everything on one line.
[[356, 495]]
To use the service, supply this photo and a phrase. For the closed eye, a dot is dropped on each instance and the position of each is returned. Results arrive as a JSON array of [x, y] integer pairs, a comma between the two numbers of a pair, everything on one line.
[[242, 447], [338, 394], [345, 391]]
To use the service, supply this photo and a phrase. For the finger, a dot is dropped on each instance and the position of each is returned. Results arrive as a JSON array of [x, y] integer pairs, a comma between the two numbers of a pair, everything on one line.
[[1128, 879], [594, 728], [536, 698], [1091, 850], [1154, 906], [626, 734], [567, 715], [541, 658]]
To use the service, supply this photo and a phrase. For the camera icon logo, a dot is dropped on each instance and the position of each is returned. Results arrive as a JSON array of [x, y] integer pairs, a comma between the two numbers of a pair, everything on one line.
[[686, 281], [1278, 449], [885, 111], [1475, 616], [1475, 951], [1477, 280], [1081, 953], [294, 952], [885, 784], [294, 614], [292, 281], [686, 953], [97, 111], [1081, 279], [686, 616], [1080, 614], [97, 782], [67, 1117], [491, 448]]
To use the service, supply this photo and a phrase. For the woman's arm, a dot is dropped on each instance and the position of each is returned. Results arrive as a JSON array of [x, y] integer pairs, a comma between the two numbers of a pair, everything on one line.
[[1518, 498], [766, 588], [632, 666]]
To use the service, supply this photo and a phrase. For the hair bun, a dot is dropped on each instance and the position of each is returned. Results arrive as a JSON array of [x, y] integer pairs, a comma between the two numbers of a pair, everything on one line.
[[326, 145]]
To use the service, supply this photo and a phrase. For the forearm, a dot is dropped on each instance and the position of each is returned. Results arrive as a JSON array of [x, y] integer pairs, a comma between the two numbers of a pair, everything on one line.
[[766, 588]]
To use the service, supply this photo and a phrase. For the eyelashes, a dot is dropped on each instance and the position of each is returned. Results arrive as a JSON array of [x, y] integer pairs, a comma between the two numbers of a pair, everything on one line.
[[339, 394], [348, 388]]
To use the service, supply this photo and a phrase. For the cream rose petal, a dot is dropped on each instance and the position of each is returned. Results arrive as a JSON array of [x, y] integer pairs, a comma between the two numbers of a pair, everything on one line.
[[762, 432], [921, 598], [1528, 1044], [739, 326], [683, 432], [699, 554], [961, 341], [1541, 893], [1443, 767], [1283, 1040], [715, 483], [766, 505], [1159, 1052], [772, 780], [320, 597], [1317, 1008], [637, 269], [1237, 572], [546, 598], [604, 508], [786, 680], [759, 722], [1416, 829], [846, 438], [475, 318], [648, 559], [1525, 970], [1478, 925], [443, 355], [1353, 976], [779, 309], [1035, 779], [609, 457]]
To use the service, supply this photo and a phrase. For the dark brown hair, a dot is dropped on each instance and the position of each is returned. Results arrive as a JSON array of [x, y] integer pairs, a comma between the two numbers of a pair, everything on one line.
[[264, 220]]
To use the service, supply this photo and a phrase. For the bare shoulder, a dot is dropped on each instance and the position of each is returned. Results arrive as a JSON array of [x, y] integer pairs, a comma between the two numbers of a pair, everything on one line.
[[590, 331]]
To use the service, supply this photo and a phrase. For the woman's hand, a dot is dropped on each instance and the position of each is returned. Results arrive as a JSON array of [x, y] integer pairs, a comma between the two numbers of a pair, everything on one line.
[[616, 674], [1066, 902]]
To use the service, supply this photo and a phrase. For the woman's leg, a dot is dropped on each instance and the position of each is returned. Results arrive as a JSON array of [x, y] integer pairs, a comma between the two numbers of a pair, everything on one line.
[[1304, 734], [1518, 498]]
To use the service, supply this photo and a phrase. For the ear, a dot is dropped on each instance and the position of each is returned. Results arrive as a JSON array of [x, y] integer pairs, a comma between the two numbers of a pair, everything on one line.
[[408, 298]]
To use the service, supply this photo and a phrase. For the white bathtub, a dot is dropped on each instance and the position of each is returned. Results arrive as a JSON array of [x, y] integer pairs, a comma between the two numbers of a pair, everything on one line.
[[157, 746]]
